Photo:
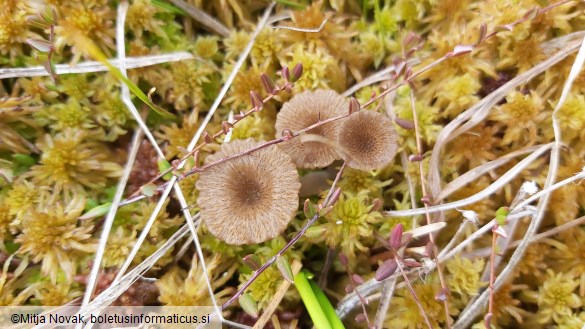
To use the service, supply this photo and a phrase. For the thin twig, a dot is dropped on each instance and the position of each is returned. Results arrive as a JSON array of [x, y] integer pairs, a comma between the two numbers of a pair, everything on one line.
[[299, 29], [536, 238], [427, 213], [413, 293], [202, 17]]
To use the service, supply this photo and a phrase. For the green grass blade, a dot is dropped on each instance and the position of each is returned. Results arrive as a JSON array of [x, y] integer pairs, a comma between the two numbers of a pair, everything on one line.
[[313, 307], [326, 306], [92, 50]]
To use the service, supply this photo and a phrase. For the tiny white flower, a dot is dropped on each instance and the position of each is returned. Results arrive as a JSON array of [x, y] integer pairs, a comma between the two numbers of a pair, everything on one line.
[[470, 215], [530, 187]]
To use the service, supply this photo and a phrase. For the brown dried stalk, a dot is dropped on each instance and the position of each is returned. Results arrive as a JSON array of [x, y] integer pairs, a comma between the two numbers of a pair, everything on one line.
[[423, 184]]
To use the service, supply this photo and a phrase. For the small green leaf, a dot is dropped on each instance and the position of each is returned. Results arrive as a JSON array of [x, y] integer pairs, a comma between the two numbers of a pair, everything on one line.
[[502, 215], [285, 269], [252, 261], [164, 165], [90, 204], [148, 189], [24, 159], [11, 246], [309, 209], [98, 211], [315, 232], [41, 45], [248, 304]]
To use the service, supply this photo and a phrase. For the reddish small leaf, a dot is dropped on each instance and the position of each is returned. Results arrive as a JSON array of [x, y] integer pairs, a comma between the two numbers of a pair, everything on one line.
[[267, 83], [405, 124], [360, 318], [415, 158], [357, 279], [429, 250], [226, 126], [395, 239], [460, 50], [386, 269], [348, 288], [256, 100], [343, 259], [285, 269], [482, 32], [442, 295], [411, 263], [285, 73], [377, 204], [207, 138], [354, 105], [252, 261], [335, 195], [296, 73], [287, 134]]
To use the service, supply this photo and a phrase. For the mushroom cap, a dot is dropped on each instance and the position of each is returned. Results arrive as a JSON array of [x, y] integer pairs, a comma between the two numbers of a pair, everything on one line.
[[367, 140], [251, 198], [306, 109]]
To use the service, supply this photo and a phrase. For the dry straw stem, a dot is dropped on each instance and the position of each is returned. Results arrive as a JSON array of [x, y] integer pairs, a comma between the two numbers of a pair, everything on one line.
[[275, 301], [382, 75], [477, 113], [306, 109], [202, 17], [484, 252], [259, 193], [367, 140], [93, 66], [499, 183], [478, 171], [109, 220], [116, 289], [469, 313]]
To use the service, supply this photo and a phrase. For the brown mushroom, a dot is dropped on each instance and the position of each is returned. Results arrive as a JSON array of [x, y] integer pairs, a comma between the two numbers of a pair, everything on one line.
[[248, 199], [315, 148], [367, 140]]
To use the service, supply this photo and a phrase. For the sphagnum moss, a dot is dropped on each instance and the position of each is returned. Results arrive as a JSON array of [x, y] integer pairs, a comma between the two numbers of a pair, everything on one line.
[[357, 40]]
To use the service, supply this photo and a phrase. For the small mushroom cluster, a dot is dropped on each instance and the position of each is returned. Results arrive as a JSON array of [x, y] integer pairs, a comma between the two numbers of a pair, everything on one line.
[[250, 199], [366, 140]]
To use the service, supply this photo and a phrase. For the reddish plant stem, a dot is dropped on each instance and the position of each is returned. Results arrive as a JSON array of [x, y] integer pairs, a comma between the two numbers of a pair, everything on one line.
[[214, 136], [492, 278], [417, 301], [361, 298], [288, 245], [427, 214]]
